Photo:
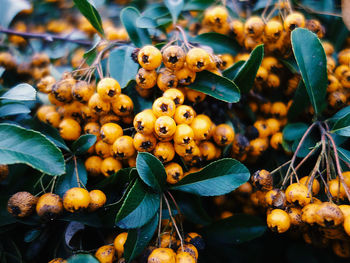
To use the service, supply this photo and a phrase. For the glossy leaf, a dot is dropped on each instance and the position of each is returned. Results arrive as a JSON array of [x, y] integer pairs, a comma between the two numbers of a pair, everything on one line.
[[198, 5], [146, 22], [139, 206], [311, 59], [138, 36], [294, 131], [225, 174], [342, 126], [235, 230], [74, 172], [151, 171], [9, 9], [21, 92], [91, 14], [246, 75], [11, 109], [82, 258], [31, 148], [175, 7], [344, 154], [300, 102], [232, 71], [216, 86], [340, 114], [221, 44], [83, 143], [138, 239], [155, 11], [121, 65]]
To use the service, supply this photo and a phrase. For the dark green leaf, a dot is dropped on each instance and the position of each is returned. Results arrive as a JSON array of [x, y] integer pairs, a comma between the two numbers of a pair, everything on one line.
[[235, 230], [232, 71], [138, 36], [11, 109], [216, 86], [146, 22], [151, 171], [82, 258], [139, 206], [70, 179], [221, 44], [246, 75], [29, 147], [175, 7], [225, 174], [31, 235], [9, 9], [91, 14], [309, 143], [344, 154], [340, 114], [83, 143], [139, 238], [192, 208], [291, 64], [155, 11], [140, 103], [198, 5], [91, 54], [121, 65], [294, 131], [300, 102], [342, 126], [311, 59], [21, 92]]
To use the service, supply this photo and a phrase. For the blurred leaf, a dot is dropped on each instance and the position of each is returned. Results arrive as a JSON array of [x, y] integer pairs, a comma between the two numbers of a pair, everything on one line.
[[342, 126], [246, 75], [300, 102], [175, 7], [225, 174], [309, 143], [232, 71], [155, 11], [11, 109], [311, 59], [139, 238], [221, 44], [82, 258], [341, 113], [121, 65], [20, 92], [138, 36], [70, 179], [198, 5], [91, 14], [146, 22], [294, 131], [291, 64], [216, 86], [151, 171], [31, 235], [344, 154], [83, 143], [139, 206], [192, 208], [9, 9], [21, 145], [235, 230]]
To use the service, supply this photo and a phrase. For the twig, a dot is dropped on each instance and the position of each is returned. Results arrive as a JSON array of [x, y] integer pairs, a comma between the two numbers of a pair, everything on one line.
[[160, 219]]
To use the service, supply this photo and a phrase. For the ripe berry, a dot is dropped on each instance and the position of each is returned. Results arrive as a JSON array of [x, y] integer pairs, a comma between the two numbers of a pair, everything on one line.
[[183, 134], [165, 127], [123, 147], [166, 79], [76, 199], [110, 132], [119, 242], [70, 129], [162, 255], [144, 143], [144, 122], [149, 57], [98, 105], [174, 57], [49, 206], [146, 79], [122, 105], [110, 166], [184, 114], [197, 59], [174, 173], [298, 194], [97, 200], [176, 95], [164, 151], [163, 107], [105, 254], [293, 21], [108, 89], [21, 204], [93, 165], [278, 220], [223, 135]]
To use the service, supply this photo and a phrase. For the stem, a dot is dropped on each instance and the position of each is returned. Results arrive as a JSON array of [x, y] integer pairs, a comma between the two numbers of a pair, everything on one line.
[[178, 210], [76, 170], [160, 219], [45, 37]]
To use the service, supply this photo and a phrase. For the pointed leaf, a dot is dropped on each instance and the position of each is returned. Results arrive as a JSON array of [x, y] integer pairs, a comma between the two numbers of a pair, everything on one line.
[[138, 36], [175, 7], [217, 178], [221, 44], [121, 65], [138, 239], [232, 71], [20, 92], [82, 258], [91, 14], [151, 171], [19, 145], [139, 206], [294, 131], [246, 76], [342, 126], [83, 143], [312, 62], [216, 86], [9, 9], [300, 102], [11, 109]]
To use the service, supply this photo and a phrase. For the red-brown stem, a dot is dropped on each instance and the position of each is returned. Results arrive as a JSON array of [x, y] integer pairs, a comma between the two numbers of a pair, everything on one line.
[[160, 219], [177, 208]]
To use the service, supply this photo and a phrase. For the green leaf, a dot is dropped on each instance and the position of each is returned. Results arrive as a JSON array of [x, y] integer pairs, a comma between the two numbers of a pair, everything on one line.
[[9, 9], [70, 179], [232, 71], [91, 14], [300, 102], [21, 92], [139, 238], [146, 22], [294, 131], [221, 44], [11, 109], [342, 126], [246, 76], [138, 36], [344, 154], [139, 206], [192, 208], [175, 7], [83, 143], [155, 11], [217, 178], [140, 103], [82, 258], [121, 65], [198, 5], [312, 62], [216, 86], [31, 235], [19, 145], [340, 114], [235, 230], [151, 171]]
